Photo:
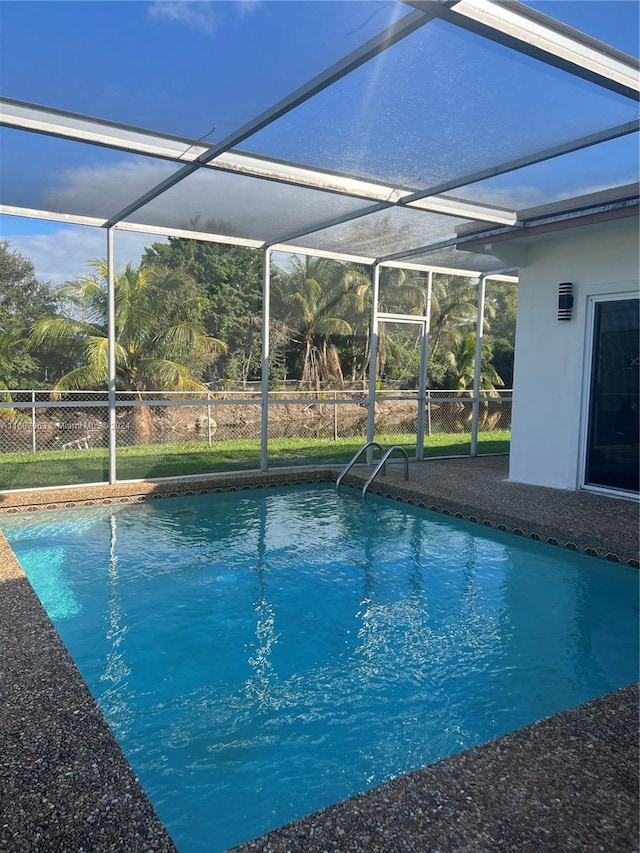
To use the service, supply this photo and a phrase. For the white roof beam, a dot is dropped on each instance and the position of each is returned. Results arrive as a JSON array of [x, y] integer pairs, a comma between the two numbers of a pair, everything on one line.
[[322, 253], [205, 236], [51, 216], [81, 128]]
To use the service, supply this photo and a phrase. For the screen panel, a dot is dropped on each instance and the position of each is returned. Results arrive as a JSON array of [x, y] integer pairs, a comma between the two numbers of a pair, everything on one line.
[[68, 177], [236, 205], [607, 165], [194, 69], [441, 103], [384, 232]]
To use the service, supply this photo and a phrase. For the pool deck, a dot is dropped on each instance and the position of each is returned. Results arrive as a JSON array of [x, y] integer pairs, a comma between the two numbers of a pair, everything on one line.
[[567, 783]]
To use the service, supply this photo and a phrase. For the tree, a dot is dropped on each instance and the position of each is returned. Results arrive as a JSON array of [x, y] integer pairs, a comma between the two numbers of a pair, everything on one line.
[[22, 300], [502, 297], [454, 308], [460, 374], [312, 296], [460, 361], [160, 343], [231, 279]]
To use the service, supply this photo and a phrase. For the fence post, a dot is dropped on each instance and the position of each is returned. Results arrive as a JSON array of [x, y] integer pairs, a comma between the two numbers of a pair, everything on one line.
[[208, 418], [429, 413], [335, 416], [33, 421]]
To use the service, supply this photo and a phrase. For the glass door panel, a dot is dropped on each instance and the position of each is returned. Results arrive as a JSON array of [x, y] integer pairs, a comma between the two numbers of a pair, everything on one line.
[[612, 443]]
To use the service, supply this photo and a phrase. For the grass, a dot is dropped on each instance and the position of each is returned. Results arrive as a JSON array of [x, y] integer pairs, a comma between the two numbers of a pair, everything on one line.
[[73, 467]]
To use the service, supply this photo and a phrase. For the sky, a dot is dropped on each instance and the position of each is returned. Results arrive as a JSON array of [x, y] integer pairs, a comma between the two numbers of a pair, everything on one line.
[[201, 69]]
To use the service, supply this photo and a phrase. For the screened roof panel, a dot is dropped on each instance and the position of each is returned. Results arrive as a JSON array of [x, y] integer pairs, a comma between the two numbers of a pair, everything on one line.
[[181, 68], [451, 258], [440, 103], [610, 164], [240, 206], [430, 111], [378, 234], [68, 177]]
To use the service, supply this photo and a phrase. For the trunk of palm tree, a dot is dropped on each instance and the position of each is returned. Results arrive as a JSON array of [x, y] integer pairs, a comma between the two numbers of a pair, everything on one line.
[[329, 363], [142, 425], [307, 374]]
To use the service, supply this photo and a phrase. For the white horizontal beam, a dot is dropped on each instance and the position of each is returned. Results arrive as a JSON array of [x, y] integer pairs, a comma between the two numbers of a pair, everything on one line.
[[51, 216], [321, 253], [204, 236], [538, 35], [426, 268], [388, 317], [67, 125]]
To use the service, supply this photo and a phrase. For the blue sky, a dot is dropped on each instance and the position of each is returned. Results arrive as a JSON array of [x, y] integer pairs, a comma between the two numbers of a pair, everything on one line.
[[201, 69]]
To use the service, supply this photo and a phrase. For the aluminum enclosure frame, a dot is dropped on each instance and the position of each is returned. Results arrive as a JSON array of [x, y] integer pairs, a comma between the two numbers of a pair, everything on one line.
[[511, 24]]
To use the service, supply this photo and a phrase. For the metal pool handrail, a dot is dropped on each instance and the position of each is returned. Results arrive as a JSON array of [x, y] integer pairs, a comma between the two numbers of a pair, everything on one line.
[[381, 465], [355, 459]]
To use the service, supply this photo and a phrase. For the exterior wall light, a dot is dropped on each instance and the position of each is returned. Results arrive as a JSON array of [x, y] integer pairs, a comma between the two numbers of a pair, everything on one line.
[[565, 300]]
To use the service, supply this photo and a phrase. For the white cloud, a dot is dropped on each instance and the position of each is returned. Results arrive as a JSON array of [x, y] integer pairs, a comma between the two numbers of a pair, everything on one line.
[[246, 7], [196, 14], [200, 15], [103, 190], [62, 254]]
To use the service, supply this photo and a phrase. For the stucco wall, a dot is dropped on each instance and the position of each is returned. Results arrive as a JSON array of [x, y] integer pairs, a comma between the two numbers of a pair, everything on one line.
[[549, 371]]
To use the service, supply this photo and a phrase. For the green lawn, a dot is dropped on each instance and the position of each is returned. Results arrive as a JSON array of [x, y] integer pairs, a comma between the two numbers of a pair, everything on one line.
[[70, 467]]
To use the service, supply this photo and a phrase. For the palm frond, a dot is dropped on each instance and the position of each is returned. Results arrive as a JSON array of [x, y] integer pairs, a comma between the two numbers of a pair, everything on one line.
[[183, 338], [166, 375], [87, 377], [96, 350], [332, 326], [61, 330]]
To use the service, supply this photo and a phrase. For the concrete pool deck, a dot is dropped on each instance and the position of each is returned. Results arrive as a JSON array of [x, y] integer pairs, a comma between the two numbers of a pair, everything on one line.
[[566, 783]]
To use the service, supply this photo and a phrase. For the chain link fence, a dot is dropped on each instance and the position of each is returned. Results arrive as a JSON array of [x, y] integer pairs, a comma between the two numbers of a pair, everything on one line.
[[31, 421], [172, 433]]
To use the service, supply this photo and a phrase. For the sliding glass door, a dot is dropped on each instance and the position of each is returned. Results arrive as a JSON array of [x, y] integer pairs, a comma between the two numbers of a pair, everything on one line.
[[612, 438]]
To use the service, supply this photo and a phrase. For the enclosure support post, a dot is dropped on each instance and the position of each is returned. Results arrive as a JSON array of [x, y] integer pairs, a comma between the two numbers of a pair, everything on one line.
[[477, 368], [33, 421], [422, 379], [266, 320], [111, 355], [373, 360]]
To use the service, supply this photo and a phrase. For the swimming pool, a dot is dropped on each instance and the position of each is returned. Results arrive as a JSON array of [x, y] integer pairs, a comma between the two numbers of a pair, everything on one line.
[[260, 655]]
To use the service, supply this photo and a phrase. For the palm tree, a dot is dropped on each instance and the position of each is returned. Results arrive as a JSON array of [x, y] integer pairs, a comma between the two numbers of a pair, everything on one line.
[[313, 296], [460, 362], [159, 343], [8, 342]]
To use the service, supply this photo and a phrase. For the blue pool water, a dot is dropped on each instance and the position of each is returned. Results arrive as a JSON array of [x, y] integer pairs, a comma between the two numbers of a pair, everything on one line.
[[262, 654]]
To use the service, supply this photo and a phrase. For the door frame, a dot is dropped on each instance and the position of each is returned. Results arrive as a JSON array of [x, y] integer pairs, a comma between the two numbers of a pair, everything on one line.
[[587, 381]]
